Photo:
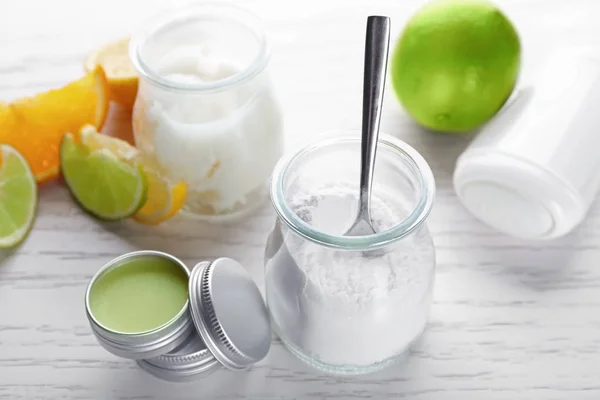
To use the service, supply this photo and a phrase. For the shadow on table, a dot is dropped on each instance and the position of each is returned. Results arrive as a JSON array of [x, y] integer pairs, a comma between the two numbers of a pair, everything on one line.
[[5, 255], [440, 150], [136, 383], [544, 266], [279, 376], [537, 266]]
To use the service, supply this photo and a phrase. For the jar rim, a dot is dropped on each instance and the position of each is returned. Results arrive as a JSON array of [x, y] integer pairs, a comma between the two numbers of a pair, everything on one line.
[[417, 216], [119, 262], [199, 11]]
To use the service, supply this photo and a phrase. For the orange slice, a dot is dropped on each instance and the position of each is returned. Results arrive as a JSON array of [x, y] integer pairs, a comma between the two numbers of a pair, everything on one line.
[[164, 199], [34, 126], [120, 73]]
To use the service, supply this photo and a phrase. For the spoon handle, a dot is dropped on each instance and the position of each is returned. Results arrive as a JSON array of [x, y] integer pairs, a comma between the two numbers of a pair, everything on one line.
[[376, 57]]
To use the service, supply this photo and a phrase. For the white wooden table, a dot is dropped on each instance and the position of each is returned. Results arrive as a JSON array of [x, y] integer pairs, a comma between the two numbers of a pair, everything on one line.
[[511, 320]]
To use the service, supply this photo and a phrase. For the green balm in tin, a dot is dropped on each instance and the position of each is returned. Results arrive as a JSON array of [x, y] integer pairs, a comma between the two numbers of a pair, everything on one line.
[[139, 295]]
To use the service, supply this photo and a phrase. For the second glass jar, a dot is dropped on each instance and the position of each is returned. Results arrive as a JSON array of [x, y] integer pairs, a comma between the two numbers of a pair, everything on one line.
[[206, 112], [350, 305]]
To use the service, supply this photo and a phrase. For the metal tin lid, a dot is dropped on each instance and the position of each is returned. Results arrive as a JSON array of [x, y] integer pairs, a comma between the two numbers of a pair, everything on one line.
[[184, 363], [229, 313]]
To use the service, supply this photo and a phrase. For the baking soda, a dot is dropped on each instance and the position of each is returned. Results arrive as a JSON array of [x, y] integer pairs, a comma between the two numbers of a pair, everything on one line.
[[339, 308]]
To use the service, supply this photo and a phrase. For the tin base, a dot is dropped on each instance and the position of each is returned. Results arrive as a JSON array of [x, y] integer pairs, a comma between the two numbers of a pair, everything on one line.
[[188, 362], [174, 377]]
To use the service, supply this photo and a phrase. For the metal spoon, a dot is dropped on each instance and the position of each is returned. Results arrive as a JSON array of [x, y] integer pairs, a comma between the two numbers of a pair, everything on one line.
[[376, 56]]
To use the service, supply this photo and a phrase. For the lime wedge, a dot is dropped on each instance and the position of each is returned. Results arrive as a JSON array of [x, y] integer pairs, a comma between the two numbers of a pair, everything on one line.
[[165, 197], [18, 197], [103, 185]]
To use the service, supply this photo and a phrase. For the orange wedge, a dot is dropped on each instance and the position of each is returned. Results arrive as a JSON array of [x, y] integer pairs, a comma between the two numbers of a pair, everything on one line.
[[164, 199], [34, 126], [120, 73]]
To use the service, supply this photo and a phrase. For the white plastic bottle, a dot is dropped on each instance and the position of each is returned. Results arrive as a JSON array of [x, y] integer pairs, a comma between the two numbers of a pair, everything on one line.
[[534, 171]]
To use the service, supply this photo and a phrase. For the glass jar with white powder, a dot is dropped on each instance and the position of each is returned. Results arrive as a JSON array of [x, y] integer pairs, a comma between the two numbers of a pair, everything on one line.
[[350, 305], [206, 113]]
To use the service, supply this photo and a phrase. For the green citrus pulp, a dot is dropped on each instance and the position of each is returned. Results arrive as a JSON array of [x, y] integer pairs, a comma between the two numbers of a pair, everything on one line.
[[18, 197], [103, 185]]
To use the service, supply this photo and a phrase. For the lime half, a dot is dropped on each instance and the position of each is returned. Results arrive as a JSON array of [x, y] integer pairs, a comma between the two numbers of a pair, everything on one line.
[[103, 185], [18, 197]]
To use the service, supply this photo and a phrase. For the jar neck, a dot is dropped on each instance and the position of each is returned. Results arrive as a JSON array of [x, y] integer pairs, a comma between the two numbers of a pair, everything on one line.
[[219, 46], [240, 92], [413, 166]]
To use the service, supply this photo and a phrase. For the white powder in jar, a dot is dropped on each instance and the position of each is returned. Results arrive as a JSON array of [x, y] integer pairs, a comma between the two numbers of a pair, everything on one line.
[[341, 308]]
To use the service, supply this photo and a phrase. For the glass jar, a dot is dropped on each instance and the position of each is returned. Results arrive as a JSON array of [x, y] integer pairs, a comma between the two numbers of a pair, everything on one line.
[[206, 113], [350, 305]]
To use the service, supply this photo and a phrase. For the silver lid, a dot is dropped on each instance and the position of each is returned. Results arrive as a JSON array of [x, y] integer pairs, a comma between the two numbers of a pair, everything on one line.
[[183, 364], [229, 313]]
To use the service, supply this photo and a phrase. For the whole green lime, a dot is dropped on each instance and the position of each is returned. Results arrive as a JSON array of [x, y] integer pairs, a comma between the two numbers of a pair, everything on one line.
[[455, 64]]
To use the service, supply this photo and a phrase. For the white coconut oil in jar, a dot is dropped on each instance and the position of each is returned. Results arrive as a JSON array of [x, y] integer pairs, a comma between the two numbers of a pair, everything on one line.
[[206, 113]]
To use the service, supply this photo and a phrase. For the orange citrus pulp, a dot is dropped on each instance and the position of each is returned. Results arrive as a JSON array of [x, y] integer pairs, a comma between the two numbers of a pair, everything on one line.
[[34, 126]]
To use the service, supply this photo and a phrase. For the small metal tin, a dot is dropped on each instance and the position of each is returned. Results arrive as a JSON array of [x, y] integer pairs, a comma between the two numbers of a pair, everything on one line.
[[229, 313], [224, 322], [148, 344], [184, 364]]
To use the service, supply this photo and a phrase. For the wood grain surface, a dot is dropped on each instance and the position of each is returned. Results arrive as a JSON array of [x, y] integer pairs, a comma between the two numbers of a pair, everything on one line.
[[510, 320]]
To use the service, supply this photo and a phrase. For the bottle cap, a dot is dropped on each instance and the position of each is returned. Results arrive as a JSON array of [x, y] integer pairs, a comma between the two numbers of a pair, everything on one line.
[[515, 197]]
